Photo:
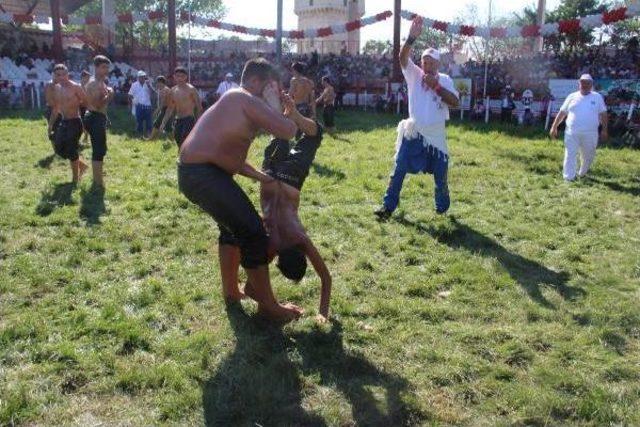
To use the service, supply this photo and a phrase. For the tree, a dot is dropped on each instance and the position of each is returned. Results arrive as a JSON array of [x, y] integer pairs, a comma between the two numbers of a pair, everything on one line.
[[567, 9], [153, 34], [377, 47]]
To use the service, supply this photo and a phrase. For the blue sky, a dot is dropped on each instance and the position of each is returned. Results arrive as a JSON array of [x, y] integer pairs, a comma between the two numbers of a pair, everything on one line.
[[262, 13]]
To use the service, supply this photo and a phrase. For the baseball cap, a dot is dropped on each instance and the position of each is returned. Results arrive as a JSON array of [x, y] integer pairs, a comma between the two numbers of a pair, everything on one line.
[[228, 75], [586, 77], [434, 53], [142, 74]]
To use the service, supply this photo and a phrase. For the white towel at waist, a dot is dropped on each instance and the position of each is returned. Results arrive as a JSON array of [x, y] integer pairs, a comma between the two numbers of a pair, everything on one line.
[[431, 135]]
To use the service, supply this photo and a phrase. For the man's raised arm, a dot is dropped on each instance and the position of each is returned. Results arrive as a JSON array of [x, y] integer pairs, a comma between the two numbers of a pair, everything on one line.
[[414, 33]]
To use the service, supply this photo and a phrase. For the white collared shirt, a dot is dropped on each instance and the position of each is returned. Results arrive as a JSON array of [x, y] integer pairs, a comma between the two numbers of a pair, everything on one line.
[[141, 93], [426, 107]]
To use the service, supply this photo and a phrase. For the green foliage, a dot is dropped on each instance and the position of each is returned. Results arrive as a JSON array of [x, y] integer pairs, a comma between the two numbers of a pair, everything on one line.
[[377, 47], [519, 307]]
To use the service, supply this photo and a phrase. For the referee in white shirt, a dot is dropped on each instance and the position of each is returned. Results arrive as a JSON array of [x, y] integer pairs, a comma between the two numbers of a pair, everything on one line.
[[584, 111], [140, 95], [226, 84]]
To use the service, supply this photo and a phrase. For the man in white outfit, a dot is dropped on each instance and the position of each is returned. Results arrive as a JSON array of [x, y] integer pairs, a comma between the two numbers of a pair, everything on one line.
[[421, 146], [584, 111], [226, 85]]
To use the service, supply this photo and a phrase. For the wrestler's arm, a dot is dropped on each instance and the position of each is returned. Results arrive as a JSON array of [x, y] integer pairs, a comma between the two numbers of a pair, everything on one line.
[[198, 102], [170, 107], [325, 277], [250, 172], [312, 97], [55, 109], [322, 96], [82, 95], [271, 121]]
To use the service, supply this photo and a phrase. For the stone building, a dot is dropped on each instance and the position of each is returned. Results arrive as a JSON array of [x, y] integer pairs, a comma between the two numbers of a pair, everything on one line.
[[324, 13]]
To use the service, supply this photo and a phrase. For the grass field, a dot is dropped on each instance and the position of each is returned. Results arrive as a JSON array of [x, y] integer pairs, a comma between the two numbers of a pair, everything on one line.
[[520, 307]]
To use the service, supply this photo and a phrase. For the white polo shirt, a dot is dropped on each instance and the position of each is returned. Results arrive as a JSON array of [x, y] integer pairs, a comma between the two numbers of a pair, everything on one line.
[[224, 86], [426, 108], [583, 112], [141, 93]]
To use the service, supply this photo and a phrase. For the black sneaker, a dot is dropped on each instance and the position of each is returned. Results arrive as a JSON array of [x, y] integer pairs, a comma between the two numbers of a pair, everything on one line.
[[383, 214]]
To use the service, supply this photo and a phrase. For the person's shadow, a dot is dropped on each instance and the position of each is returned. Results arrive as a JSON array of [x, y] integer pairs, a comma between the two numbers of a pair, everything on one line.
[[55, 197], [92, 205], [325, 356], [260, 384], [328, 172], [257, 384], [529, 274], [45, 162]]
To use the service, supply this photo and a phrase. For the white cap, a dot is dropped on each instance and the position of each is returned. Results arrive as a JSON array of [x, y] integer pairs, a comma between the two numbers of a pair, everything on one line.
[[142, 74], [434, 53], [586, 77], [228, 75]]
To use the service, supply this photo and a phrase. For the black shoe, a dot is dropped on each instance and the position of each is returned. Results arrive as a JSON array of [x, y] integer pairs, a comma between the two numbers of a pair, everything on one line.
[[383, 214]]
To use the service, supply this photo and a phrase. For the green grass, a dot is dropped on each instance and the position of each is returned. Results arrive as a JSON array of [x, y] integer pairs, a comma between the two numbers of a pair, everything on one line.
[[518, 308]]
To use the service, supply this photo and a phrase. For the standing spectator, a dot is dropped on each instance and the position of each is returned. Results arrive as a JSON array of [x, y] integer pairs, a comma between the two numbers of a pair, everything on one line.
[[140, 96], [584, 110], [507, 104], [226, 84], [527, 101]]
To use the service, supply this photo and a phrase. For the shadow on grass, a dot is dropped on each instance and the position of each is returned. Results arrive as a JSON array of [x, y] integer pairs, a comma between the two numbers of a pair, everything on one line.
[[522, 132], [615, 186], [31, 115], [540, 163], [327, 172], [261, 382], [529, 274], [92, 205], [59, 195], [45, 162]]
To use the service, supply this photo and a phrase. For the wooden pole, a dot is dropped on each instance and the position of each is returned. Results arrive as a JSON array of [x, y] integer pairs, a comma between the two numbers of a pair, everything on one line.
[[56, 47], [171, 15], [397, 76]]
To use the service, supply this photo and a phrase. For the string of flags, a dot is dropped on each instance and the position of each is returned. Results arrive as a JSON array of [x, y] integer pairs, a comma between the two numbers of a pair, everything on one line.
[[569, 26], [131, 17]]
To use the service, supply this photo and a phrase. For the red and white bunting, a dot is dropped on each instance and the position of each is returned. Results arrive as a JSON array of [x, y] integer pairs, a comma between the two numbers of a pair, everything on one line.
[[569, 26], [131, 17]]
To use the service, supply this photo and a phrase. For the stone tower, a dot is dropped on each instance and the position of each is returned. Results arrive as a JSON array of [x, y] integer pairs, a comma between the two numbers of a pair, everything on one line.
[[324, 13]]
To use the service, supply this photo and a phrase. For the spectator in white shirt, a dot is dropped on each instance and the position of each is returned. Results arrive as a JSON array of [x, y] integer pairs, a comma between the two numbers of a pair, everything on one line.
[[584, 111], [226, 85], [140, 96]]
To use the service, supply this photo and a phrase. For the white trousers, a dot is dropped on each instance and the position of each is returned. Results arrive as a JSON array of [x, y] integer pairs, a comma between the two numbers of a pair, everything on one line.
[[578, 143]]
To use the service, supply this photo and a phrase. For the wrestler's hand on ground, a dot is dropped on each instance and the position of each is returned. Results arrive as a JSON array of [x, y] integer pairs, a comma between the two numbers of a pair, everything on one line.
[[322, 319]]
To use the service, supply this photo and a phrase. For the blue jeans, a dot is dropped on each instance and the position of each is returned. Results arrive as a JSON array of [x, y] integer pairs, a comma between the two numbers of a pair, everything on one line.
[[143, 119], [413, 157]]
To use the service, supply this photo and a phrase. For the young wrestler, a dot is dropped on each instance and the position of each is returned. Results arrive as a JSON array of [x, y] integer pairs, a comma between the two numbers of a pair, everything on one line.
[[327, 99], [163, 95], [67, 100], [302, 91], [216, 150], [184, 101], [95, 119]]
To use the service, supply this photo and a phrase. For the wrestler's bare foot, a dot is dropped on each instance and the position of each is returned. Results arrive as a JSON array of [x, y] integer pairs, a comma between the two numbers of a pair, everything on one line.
[[280, 312], [234, 297]]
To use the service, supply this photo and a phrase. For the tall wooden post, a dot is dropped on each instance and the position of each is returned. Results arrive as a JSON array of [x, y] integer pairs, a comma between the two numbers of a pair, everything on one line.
[[171, 15], [56, 47], [279, 33], [397, 76], [540, 21]]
